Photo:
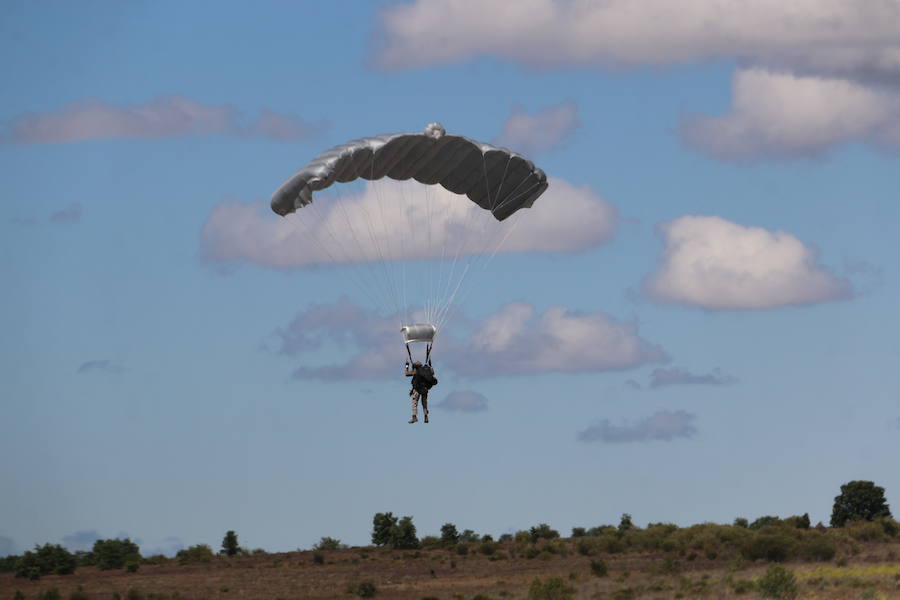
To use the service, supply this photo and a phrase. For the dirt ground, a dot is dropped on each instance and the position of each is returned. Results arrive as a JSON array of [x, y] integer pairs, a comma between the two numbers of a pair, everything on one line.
[[445, 575]]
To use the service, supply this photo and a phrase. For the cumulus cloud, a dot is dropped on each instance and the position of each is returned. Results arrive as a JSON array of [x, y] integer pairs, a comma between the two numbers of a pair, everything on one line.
[[81, 540], [464, 401], [662, 425], [829, 35], [517, 340], [539, 132], [7, 546], [782, 115], [719, 265], [101, 366], [366, 225], [675, 376], [67, 216], [165, 117], [514, 340]]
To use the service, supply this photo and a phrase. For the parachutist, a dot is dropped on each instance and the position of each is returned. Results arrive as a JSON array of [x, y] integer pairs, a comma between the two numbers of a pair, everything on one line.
[[423, 380]]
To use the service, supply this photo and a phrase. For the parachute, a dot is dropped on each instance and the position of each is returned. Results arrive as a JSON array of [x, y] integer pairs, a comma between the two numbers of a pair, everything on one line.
[[494, 179]]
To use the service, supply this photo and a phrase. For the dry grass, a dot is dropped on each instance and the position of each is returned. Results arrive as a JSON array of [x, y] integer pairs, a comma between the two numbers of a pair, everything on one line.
[[413, 575]]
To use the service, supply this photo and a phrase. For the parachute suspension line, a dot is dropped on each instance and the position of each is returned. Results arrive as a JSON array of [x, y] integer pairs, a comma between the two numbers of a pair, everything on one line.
[[390, 267], [368, 262], [372, 292], [500, 185], [315, 213], [374, 239]]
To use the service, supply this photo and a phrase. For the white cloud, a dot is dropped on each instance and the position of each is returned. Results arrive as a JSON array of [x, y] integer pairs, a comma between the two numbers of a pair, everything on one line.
[[662, 425], [81, 540], [532, 134], [367, 225], [720, 265], [7, 546], [464, 401], [514, 340], [165, 117], [825, 34], [778, 114]]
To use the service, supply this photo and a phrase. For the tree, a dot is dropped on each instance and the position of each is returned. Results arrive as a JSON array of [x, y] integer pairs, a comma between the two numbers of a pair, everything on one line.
[[859, 500], [625, 522], [113, 554], [404, 535], [46, 559], [230, 545], [543, 531], [329, 543], [383, 525], [449, 534]]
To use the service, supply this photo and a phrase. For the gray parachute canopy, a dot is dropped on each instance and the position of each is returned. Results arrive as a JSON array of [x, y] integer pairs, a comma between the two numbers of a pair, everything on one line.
[[493, 178]]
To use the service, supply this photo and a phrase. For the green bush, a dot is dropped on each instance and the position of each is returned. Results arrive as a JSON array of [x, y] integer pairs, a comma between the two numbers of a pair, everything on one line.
[[599, 568], [462, 549], [468, 536], [329, 543], [769, 547], [578, 532], [866, 531], [134, 594], [132, 566], [741, 522], [488, 547], [18, 595], [113, 554], [742, 586], [765, 522], [200, 553], [46, 559], [383, 525], [552, 589], [817, 546], [8, 563], [404, 537], [777, 582], [363, 589], [318, 558], [543, 531]]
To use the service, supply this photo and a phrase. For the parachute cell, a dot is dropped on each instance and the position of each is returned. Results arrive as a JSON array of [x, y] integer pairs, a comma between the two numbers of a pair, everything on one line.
[[495, 179]]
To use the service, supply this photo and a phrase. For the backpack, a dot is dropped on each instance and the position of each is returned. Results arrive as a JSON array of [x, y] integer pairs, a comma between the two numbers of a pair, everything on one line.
[[425, 379]]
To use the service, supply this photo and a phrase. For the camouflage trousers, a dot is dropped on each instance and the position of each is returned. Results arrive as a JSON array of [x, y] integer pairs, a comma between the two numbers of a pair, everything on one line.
[[416, 395]]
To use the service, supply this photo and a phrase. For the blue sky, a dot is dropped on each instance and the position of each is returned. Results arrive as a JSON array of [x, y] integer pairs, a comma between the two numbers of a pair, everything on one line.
[[696, 322]]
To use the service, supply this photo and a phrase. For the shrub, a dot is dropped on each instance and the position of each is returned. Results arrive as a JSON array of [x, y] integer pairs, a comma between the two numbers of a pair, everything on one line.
[[742, 586], [318, 558], [18, 595], [625, 522], [777, 582], [135, 593], [586, 546], [765, 522], [578, 532], [113, 554], [46, 559], [865, 531], [132, 566], [200, 553], [449, 534], [329, 543], [8, 563], [404, 535], [468, 536], [741, 522], [599, 568], [859, 500], [543, 531], [817, 547], [430, 541], [770, 547], [488, 547], [363, 589], [552, 589]]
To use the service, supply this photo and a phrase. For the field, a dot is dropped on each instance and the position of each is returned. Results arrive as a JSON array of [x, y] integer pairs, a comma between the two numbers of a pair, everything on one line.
[[871, 572]]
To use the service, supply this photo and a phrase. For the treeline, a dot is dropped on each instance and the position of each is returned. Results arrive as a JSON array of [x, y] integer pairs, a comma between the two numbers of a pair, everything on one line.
[[860, 514]]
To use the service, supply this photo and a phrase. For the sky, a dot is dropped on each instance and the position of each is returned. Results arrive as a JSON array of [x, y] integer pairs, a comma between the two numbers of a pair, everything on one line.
[[697, 321]]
